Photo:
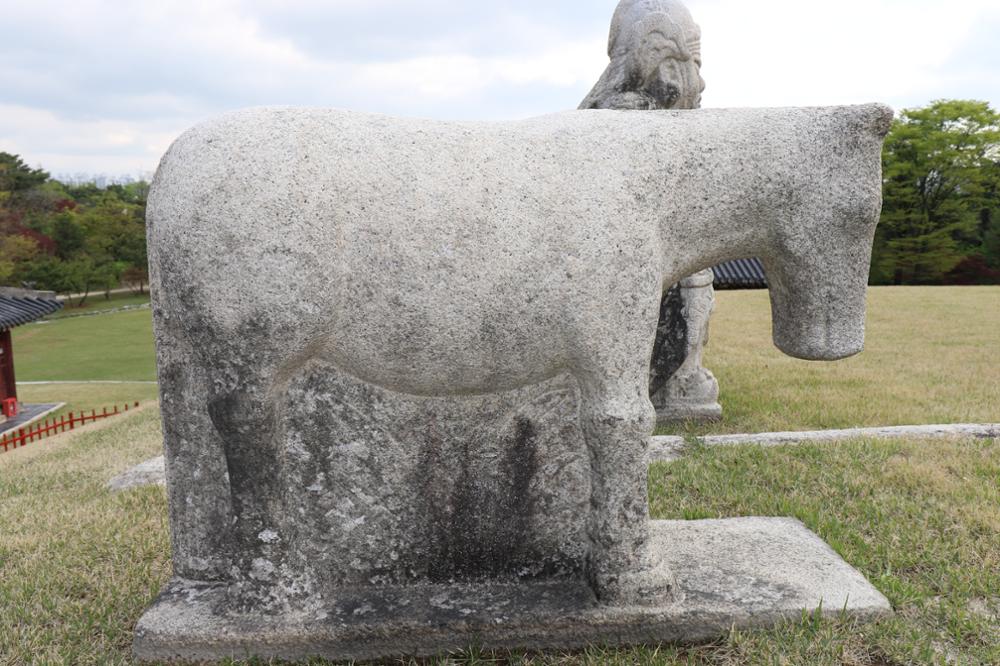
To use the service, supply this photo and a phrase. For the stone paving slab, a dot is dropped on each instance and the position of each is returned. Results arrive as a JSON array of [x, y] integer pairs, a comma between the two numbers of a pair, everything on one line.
[[670, 447], [743, 572], [148, 473]]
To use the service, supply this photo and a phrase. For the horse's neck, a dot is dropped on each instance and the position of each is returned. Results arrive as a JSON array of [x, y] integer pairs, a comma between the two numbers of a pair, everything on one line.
[[706, 228]]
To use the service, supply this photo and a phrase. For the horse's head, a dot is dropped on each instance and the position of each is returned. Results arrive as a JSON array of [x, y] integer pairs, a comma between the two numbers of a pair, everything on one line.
[[818, 260]]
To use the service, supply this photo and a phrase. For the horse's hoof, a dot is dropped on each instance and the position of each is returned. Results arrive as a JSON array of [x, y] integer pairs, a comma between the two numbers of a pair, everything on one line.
[[652, 583]]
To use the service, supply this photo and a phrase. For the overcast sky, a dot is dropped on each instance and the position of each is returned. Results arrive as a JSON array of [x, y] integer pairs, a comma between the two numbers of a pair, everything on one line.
[[100, 87]]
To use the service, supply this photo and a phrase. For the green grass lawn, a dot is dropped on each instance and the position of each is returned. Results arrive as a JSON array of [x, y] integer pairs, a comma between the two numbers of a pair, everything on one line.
[[920, 519], [932, 355], [116, 346], [109, 346]]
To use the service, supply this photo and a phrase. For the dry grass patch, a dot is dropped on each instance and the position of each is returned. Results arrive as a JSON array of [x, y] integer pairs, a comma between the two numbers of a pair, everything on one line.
[[85, 397], [78, 564]]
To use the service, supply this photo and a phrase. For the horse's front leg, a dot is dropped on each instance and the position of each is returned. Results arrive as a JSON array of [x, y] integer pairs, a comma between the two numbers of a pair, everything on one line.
[[617, 420]]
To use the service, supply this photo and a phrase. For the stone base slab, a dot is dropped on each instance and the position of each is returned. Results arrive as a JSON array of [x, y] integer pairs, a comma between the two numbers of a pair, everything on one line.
[[747, 572]]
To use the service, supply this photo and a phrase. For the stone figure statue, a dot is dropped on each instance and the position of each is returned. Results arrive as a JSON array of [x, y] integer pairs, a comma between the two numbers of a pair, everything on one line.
[[655, 52], [326, 285]]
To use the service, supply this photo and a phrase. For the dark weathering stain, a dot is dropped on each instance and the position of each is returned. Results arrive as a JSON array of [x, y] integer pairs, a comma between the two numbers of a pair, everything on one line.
[[478, 520], [670, 348]]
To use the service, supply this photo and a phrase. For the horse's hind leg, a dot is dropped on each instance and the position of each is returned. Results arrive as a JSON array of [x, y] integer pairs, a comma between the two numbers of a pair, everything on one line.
[[245, 408], [200, 509]]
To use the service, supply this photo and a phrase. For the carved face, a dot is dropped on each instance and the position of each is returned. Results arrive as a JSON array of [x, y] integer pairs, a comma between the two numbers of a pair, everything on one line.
[[665, 60], [655, 50], [658, 48]]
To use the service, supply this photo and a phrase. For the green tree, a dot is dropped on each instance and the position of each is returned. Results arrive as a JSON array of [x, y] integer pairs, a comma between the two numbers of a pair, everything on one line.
[[68, 234], [17, 177], [16, 253], [940, 180], [990, 218]]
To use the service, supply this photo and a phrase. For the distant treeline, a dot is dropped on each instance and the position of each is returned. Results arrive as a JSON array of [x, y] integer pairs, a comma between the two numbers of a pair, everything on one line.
[[940, 219], [73, 239]]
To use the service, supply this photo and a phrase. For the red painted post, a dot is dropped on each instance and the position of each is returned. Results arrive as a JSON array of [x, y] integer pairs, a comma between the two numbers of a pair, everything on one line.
[[20, 433], [126, 406], [116, 408], [136, 404], [105, 413]]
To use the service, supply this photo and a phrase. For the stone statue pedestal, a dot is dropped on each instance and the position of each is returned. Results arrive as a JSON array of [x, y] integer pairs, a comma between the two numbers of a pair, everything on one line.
[[680, 387], [742, 572]]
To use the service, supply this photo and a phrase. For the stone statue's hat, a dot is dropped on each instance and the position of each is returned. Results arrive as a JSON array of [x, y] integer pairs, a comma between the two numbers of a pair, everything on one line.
[[631, 13]]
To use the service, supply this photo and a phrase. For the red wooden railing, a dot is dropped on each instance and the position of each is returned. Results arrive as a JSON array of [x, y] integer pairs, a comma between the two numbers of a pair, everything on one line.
[[69, 421]]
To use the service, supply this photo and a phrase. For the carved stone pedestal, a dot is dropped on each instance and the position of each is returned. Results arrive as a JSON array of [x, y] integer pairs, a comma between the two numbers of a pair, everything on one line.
[[680, 388], [743, 572]]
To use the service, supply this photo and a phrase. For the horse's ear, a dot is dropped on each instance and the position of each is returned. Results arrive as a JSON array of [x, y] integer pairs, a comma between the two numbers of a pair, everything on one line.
[[881, 119]]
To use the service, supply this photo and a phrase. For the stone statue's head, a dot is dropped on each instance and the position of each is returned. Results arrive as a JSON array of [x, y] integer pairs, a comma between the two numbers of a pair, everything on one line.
[[655, 51]]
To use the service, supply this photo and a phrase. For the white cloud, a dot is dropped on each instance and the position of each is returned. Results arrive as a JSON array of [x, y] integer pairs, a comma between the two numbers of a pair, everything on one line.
[[788, 52], [69, 146], [570, 64], [103, 87]]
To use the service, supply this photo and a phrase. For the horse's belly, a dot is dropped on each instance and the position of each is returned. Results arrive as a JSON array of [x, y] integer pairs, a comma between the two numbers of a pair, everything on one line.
[[448, 354]]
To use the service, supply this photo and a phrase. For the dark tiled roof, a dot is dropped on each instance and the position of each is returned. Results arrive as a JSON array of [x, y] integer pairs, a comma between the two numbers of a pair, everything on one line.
[[740, 274], [20, 306]]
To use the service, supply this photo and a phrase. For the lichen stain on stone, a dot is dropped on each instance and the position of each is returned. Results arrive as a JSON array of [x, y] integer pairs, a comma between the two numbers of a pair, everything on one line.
[[477, 518], [670, 347]]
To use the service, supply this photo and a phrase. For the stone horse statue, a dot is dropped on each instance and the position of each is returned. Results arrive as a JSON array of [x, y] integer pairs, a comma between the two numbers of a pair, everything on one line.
[[446, 258]]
